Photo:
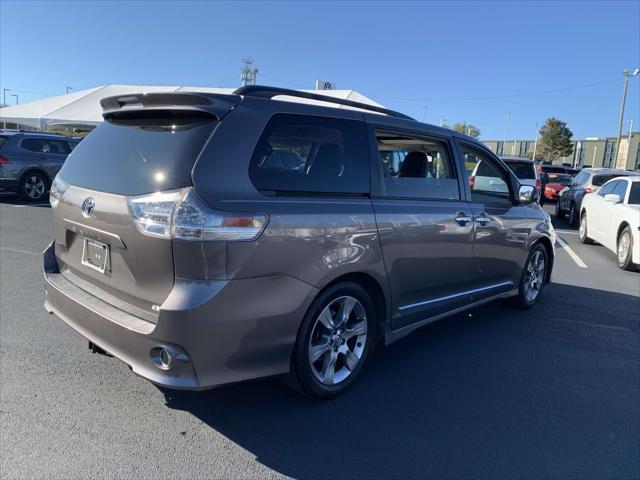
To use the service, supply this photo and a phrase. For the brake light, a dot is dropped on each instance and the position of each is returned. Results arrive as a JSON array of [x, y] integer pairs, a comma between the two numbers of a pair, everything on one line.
[[4, 160], [180, 214], [472, 182], [58, 187], [587, 189], [538, 184]]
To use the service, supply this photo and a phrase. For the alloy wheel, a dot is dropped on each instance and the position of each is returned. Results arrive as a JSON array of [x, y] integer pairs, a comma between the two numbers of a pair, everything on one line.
[[34, 187], [338, 340], [534, 277], [623, 248]]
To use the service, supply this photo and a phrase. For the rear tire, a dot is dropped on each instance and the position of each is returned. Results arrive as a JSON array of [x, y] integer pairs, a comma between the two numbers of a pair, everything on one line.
[[624, 251], [583, 233], [534, 278], [332, 348], [559, 211], [33, 186]]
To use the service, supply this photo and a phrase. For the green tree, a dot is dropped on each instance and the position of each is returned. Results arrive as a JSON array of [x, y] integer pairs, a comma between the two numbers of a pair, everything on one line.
[[555, 140], [467, 129]]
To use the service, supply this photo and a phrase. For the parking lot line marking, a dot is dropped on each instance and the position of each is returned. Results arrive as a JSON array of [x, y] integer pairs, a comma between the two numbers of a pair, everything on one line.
[[17, 250], [571, 253]]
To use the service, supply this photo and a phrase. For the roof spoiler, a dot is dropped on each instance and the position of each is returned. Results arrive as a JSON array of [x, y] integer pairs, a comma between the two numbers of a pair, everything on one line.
[[212, 103], [270, 92]]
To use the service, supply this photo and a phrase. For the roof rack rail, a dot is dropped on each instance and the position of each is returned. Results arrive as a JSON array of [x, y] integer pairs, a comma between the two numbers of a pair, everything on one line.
[[270, 92]]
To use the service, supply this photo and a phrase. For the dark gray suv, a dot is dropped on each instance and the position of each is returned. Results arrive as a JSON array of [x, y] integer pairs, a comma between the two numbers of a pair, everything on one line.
[[205, 239], [30, 160]]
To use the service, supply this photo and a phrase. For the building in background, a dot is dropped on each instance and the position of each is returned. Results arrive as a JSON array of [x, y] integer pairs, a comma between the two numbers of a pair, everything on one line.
[[590, 152]]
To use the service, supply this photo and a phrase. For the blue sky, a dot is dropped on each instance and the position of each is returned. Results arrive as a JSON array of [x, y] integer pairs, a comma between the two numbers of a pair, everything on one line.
[[466, 61]]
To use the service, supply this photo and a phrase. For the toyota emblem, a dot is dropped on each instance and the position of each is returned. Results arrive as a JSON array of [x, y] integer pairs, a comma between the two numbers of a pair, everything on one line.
[[87, 207]]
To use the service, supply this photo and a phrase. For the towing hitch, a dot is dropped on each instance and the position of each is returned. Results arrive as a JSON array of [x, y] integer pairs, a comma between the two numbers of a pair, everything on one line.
[[96, 349]]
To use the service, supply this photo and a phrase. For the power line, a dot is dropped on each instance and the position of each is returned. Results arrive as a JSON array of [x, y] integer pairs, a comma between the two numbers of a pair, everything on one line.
[[497, 97]]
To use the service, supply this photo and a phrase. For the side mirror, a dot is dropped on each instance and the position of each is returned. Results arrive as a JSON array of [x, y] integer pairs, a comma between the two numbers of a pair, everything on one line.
[[527, 194], [612, 198]]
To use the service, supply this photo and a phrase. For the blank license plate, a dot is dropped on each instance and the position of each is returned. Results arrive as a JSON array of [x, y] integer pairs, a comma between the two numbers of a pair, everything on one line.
[[95, 255]]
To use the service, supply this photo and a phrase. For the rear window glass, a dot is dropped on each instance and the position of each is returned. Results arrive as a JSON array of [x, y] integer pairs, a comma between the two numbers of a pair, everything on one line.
[[549, 169], [133, 156], [559, 178], [302, 153], [522, 170], [599, 180]]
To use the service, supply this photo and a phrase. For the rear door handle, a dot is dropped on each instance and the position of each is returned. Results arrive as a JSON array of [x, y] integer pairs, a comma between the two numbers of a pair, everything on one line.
[[482, 219], [462, 219]]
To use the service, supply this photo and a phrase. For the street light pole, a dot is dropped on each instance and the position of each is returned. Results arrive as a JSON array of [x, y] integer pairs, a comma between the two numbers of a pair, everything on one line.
[[424, 112], [16, 98], [626, 75], [4, 95], [535, 145], [69, 88]]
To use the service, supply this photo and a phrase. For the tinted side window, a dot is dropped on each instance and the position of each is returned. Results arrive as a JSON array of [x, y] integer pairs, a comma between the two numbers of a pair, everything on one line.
[[56, 147], [608, 188], [33, 144], [620, 189], [302, 153], [416, 167], [487, 182]]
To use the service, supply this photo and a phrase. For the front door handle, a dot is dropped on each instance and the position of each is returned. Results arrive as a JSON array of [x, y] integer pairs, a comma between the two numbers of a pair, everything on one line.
[[482, 219], [462, 219]]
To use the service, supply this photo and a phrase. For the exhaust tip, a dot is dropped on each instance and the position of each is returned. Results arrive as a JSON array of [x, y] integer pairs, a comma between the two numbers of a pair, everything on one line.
[[163, 357]]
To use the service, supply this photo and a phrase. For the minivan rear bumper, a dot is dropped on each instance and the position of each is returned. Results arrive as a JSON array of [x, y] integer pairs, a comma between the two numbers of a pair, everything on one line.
[[219, 337]]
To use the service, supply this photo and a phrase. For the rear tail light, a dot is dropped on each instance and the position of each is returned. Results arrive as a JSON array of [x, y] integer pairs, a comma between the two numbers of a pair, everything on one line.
[[58, 187], [472, 182], [538, 184], [4, 160], [182, 215], [587, 190]]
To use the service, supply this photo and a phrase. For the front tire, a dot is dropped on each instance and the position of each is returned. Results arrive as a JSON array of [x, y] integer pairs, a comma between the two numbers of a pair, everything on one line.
[[583, 233], [335, 340], [33, 187], [624, 250], [533, 279]]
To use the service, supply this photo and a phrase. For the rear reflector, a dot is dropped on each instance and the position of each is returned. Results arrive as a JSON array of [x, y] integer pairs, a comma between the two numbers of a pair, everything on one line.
[[181, 214], [4, 160]]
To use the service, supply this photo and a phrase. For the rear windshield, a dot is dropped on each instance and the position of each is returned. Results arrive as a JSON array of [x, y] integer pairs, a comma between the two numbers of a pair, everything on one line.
[[549, 169], [599, 180], [559, 178], [634, 194], [133, 155], [523, 170]]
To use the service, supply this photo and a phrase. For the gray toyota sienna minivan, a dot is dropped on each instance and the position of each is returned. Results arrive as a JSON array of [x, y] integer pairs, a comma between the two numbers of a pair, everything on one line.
[[205, 239]]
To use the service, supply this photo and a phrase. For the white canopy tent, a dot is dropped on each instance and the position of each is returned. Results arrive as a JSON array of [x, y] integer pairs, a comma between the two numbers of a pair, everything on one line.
[[83, 108]]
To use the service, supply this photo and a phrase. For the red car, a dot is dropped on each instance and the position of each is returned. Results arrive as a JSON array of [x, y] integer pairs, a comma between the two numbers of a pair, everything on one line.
[[555, 183]]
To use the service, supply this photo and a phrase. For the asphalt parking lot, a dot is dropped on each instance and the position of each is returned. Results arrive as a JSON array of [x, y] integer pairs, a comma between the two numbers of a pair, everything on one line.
[[553, 392]]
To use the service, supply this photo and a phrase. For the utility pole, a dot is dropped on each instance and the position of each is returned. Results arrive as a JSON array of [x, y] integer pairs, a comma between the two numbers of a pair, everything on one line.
[[626, 75], [248, 73], [424, 112], [4, 96], [506, 132], [69, 88], [16, 98]]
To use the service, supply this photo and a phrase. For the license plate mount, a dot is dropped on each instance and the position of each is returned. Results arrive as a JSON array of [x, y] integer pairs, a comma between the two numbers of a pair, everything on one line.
[[95, 255]]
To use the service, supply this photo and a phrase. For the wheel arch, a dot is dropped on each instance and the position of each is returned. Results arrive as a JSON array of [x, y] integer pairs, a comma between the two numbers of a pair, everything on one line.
[[546, 243], [35, 169], [374, 288], [624, 224]]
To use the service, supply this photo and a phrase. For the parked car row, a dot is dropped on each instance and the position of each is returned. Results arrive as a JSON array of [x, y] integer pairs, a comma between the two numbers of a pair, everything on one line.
[[30, 160]]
